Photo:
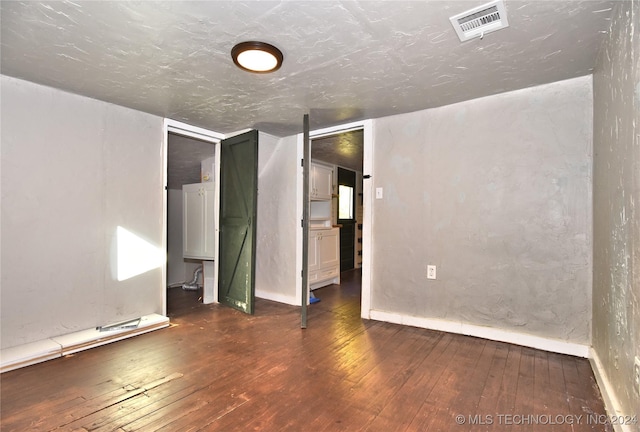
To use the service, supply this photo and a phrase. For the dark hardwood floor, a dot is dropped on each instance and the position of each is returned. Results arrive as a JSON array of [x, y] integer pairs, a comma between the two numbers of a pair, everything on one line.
[[217, 369]]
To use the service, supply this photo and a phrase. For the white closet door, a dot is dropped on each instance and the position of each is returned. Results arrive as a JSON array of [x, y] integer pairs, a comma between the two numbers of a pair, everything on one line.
[[198, 222]]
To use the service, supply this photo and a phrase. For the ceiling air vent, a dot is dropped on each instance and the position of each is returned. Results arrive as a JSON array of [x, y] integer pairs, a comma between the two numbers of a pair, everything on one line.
[[480, 20]]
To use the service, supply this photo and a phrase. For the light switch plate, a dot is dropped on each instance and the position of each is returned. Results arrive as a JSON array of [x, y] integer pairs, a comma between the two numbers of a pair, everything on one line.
[[379, 193], [431, 272]]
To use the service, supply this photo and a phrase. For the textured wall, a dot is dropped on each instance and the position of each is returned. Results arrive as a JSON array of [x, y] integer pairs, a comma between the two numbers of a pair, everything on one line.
[[616, 195], [497, 193], [276, 245], [73, 170]]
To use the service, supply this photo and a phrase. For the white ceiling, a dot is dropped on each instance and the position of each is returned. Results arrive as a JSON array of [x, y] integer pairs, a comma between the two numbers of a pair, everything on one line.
[[344, 60]]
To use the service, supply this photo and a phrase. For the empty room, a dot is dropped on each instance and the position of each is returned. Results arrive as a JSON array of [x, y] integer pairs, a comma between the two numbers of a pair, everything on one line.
[[320, 215]]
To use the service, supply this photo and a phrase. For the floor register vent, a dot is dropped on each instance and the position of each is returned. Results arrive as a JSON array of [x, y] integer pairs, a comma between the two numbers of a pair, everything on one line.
[[480, 20]]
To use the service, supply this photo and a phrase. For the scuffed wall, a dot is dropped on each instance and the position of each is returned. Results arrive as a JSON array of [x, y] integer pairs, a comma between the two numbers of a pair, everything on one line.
[[73, 170], [496, 192], [276, 244], [616, 194]]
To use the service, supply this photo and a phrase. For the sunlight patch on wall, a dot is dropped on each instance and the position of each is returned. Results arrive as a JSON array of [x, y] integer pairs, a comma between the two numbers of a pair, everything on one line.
[[135, 255]]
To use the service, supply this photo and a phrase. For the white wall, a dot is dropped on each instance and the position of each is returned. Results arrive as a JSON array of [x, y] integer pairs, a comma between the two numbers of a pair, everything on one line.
[[496, 192], [616, 195], [73, 170], [278, 164]]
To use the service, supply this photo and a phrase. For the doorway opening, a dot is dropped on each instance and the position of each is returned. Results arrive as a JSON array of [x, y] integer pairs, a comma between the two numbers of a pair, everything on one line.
[[343, 151], [191, 164]]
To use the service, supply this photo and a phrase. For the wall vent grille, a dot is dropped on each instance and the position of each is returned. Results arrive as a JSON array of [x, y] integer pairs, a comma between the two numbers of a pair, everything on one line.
[[480, 20]]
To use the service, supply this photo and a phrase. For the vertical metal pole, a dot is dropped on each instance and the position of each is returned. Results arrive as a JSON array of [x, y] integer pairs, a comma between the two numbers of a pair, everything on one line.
[[306, 164]]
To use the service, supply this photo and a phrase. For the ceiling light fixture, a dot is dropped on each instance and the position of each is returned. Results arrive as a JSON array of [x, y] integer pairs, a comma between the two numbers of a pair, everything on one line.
[[257, 57]]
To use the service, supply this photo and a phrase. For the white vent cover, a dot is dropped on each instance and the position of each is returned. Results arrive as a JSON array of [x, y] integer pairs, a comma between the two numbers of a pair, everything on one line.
[[480, 20]]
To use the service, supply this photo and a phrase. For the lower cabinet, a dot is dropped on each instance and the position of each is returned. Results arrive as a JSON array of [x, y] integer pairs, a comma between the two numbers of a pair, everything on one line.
[[324, 257]]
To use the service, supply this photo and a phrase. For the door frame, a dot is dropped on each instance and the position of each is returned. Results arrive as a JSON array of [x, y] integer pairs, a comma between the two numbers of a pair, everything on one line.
[[210, 291], [367, 201]]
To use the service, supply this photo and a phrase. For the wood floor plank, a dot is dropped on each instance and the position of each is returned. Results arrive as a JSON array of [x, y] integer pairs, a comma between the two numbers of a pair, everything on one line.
[[524, 408], [216, 369], [148, 404], [548, 403], [432, 415], [380, 384], [485, 415], [581, 395], [506, 398], [403, 407], [470, 391]]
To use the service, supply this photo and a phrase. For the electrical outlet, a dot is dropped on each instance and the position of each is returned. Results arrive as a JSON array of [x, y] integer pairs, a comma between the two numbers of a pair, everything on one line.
[[431, 272], [636, 374]]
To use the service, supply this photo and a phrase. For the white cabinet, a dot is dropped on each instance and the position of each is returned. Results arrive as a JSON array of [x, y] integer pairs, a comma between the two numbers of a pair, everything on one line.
[[320, 182], [198, 223], [314, 255], [324, 257]]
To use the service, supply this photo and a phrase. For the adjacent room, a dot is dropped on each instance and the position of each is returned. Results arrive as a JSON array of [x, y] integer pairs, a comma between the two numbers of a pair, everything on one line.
[[416, 215]]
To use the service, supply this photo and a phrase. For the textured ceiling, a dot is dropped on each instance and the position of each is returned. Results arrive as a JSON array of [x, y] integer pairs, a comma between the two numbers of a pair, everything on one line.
[[344, 60], [183, 160], [345, 149]]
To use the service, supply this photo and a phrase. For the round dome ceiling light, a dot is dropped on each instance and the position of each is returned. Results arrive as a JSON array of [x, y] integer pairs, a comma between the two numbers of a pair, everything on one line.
[[257, 57]]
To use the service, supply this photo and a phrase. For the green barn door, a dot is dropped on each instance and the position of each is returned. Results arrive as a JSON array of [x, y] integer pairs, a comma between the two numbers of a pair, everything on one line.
[[238, 209]]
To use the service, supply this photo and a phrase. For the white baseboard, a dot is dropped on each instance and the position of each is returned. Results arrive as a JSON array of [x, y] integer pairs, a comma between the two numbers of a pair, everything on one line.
[[610, 400], [28, 354], [47, 349], [280, 298], [552, 345]]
